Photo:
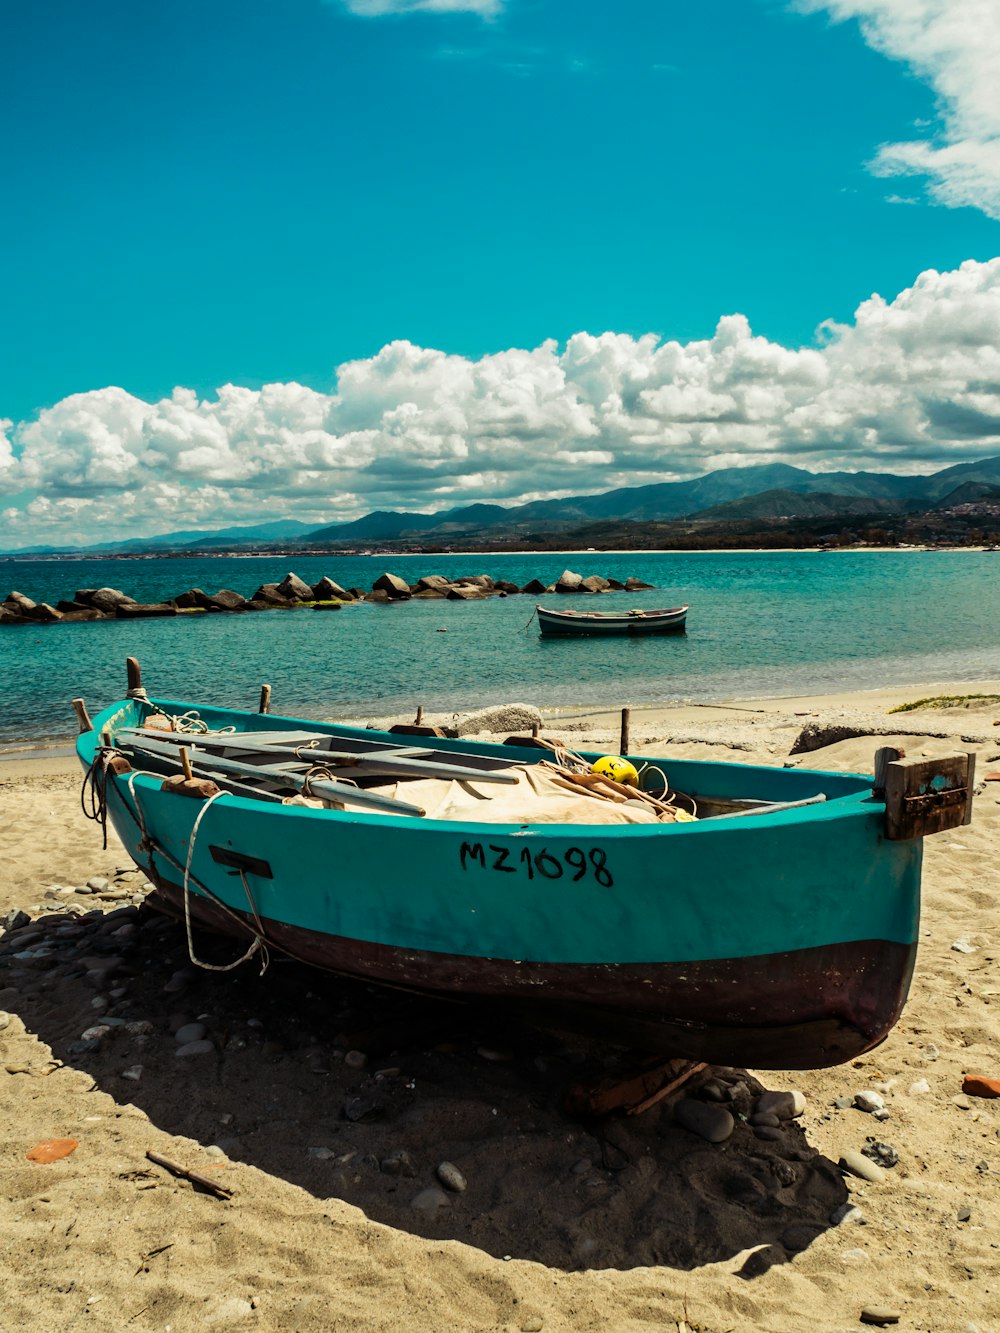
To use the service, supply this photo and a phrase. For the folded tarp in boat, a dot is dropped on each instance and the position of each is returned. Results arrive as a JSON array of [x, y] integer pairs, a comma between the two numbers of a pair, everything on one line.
[[542, 795]]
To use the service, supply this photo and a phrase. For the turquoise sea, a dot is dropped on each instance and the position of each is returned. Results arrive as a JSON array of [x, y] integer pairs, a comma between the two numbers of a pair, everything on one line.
[[761, 624]]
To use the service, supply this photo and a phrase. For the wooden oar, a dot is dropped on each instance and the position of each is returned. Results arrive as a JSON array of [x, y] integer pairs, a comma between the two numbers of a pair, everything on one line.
[[321, 787], [373, 763]]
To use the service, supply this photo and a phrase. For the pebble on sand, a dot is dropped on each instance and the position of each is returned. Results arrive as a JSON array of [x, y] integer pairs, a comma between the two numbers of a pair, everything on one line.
[[451, 1178], [869, 1101], [202, 1047], [785, 1105], [858, 1165], [879, 1314], [706, 1119], [189, 1032]]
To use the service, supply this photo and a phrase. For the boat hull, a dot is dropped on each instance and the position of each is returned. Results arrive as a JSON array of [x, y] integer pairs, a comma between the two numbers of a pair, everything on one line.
[[782, 940], [834, 1001], [564, 623]]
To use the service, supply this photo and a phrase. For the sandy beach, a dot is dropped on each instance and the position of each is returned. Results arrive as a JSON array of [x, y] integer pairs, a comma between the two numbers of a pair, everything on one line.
[[326, 1108]]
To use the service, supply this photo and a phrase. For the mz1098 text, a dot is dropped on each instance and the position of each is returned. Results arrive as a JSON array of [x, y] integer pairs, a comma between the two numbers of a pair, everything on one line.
[[574, 862]]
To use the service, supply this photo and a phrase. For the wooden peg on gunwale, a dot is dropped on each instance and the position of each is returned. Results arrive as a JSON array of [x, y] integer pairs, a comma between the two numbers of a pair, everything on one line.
[[185, 755], [82, 716], [887, 755], [265, 699], [623, 747], [134, 673]]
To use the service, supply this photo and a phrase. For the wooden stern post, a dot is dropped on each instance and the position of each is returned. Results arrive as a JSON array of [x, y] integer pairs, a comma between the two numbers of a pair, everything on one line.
[[924, 796]]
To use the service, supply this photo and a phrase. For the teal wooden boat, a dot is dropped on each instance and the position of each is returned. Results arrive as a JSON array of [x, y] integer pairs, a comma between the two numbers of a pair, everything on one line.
[[780, 938]]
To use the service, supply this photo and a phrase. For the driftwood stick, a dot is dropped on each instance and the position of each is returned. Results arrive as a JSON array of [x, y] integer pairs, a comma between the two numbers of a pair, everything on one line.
[[265, 699], [624, 746], [196, 1177], [667, 1089], [82, 716]]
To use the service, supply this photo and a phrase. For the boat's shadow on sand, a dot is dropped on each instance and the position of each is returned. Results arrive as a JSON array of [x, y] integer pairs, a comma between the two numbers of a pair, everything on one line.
[[442, 1083]]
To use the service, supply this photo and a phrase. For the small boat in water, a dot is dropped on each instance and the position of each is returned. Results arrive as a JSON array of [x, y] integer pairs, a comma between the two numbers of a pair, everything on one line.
[[732, 913], [670, 620]]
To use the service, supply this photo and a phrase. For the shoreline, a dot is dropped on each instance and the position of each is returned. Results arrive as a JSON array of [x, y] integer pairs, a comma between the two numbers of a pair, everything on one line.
[[880, 699]]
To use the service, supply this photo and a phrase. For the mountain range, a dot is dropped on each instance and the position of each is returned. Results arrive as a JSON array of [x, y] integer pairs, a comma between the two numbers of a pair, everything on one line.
[[763, 493]]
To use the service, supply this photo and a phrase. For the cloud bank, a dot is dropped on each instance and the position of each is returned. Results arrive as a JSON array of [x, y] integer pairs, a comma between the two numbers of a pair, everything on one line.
[[911, 384], [955, 46]]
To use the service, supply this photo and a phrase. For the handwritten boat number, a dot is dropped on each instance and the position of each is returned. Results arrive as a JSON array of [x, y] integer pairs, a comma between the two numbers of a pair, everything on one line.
[[574, 861]]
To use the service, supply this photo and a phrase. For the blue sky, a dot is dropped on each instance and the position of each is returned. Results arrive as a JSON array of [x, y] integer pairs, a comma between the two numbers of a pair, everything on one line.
[[255, 192]]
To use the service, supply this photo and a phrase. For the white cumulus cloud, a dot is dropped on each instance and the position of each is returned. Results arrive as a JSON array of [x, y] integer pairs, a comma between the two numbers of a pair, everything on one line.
[[955, 46], [911, 384]]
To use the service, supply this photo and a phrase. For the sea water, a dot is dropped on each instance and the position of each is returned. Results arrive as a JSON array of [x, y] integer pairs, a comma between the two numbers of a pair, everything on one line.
[[761, 624]]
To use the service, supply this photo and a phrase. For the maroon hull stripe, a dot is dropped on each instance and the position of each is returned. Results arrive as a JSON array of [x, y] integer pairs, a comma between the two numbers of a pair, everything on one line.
[[804, 1009]]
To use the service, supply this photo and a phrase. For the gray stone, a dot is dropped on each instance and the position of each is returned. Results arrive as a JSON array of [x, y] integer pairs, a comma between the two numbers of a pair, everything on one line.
[[858, 1165], [97, 884], [295, 589], [847, 1214], [880, 1314], [767, 1133], [430, 1200], [224, 600], [451, 1178], [505, 718], [568, 581], [326, 591], [765, 1118], [355, 1060], [393, 586], [133, 1073], [710, 1122], [869, 1101], [190, 1032], [432, 583], [195, 1048], [785, 1105]]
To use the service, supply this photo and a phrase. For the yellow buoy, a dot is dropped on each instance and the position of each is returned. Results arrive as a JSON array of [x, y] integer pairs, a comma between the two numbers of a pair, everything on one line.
[[618, 770]]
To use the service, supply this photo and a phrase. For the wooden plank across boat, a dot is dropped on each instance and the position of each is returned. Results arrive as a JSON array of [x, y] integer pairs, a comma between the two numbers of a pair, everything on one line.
[[666, 620], [781, 940]]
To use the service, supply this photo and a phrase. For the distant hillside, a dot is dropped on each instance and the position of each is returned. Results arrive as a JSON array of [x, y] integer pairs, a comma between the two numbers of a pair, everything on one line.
[[792, 504], [762, 493], [661, 501]]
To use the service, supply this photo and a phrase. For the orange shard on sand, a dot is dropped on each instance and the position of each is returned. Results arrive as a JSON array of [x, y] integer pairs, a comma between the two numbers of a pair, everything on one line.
[[977, 1085], [992, 777], [50, 1150]]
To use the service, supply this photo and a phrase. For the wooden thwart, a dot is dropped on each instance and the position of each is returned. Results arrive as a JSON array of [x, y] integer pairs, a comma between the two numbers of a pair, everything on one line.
[[924, 796]]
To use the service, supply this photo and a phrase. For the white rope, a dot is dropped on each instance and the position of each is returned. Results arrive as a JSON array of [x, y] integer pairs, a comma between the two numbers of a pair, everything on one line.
[[257, 941]]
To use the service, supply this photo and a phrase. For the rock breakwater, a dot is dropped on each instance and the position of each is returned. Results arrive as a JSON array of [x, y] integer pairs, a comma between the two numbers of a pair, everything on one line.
[[290, 594]]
